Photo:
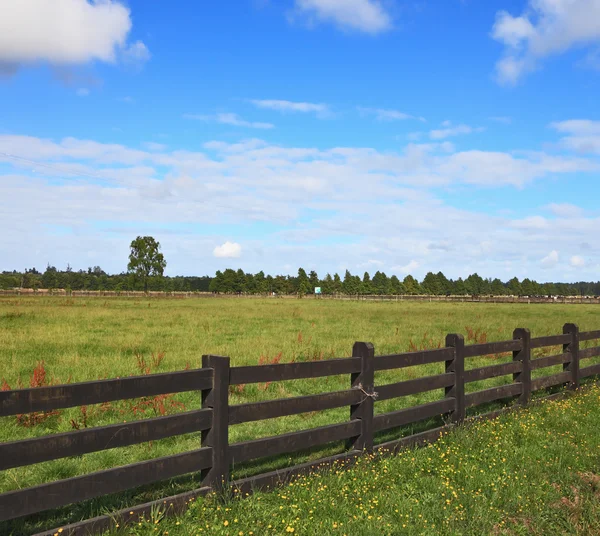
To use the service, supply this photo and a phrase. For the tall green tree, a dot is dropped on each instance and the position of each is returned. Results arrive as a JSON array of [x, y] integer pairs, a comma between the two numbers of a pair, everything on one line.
[[145, 259]]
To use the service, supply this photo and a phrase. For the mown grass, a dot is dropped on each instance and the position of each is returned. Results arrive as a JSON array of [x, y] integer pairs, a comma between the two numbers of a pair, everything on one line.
[[87, 339], [535, 471]]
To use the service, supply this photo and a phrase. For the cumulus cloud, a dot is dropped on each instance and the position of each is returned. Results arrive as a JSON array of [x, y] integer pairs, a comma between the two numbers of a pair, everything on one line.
[[368, 16], [577, 261], [545, 28], [550, 260], [230, 119], [65, 32], [290, 106], [382, 114], [228, 250]]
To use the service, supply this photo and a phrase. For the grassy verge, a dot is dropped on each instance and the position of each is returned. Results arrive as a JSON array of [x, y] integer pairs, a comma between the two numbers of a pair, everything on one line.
[[536, 471]]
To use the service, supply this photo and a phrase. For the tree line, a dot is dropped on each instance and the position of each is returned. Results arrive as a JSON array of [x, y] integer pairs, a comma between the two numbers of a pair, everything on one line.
[[232, 281], [147, 264]]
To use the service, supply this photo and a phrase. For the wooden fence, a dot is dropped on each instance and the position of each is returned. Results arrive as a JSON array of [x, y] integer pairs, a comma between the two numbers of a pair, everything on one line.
[[215, 454]]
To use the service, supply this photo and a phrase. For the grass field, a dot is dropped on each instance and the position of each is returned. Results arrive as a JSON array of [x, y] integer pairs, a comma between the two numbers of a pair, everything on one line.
[[533, 472], [87, 339]]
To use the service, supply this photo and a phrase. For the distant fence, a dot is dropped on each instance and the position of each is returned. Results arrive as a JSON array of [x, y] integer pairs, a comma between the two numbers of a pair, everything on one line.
[[350, 297], [215, 456]]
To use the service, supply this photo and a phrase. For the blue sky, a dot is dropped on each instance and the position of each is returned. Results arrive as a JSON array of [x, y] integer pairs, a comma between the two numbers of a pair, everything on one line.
[[455, 135]]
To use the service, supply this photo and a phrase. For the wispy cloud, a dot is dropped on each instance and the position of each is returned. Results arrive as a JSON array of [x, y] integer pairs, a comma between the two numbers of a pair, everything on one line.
[[83, 92], [285, 106], [581, 135], [382, 114], [368, 16], [450, 130], [229, 119]]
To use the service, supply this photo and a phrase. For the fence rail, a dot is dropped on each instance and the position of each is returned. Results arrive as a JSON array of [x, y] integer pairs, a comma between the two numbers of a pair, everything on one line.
[[215, 456]]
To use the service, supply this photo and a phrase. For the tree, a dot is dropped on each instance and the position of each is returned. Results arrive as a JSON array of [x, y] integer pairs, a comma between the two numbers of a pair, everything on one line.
[[145, 259]]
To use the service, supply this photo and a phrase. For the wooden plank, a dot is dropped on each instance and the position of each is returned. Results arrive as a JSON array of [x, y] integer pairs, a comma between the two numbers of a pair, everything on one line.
[[97, 392], [493, 371], [592, 370], [549, 381], [294, 441], [364, 410], [80, 488], [549, 361], [414, 414], [283, 476], [258, 411], [52, 447], [551, 340], [492, 348], [523, 356], [589, 352], [410, 359], [494, 393], [456, 366], [217, 436], [175, 504], [413, 387], [572, 348], [293, 371], [589, 335], [414, 440]]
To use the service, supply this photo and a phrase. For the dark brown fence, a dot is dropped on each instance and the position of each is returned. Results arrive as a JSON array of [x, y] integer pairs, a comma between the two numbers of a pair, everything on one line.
[[215, 455]]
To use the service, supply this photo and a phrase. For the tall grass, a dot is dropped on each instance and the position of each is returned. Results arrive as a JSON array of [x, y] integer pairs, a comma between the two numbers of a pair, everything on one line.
[[53, 340]]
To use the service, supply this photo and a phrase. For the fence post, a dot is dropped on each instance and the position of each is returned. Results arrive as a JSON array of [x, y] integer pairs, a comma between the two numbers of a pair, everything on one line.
[[217, 436], [456, 366], [524, 356], [572, 348], [365, 409]]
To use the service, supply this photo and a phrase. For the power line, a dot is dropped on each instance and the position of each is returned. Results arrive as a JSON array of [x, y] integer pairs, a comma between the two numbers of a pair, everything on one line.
[[57, 169]]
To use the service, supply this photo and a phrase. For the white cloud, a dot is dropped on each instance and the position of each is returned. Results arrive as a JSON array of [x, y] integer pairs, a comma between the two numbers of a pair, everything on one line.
[[582, 135], [230, 119], [64, 32], [127, 99], [440, 134], [135, 55], [531, 223], [544, 29], [153, 146], [228, 250], [577, 261], [407, 268], [382, 114], [550, 260], [290, 106], [367, 16], [339, 205], [83, 92], [565, 210]]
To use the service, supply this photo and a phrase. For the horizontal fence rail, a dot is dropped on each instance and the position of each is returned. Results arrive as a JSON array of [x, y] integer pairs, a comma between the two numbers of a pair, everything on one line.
[[98, 392], [215, 455]]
